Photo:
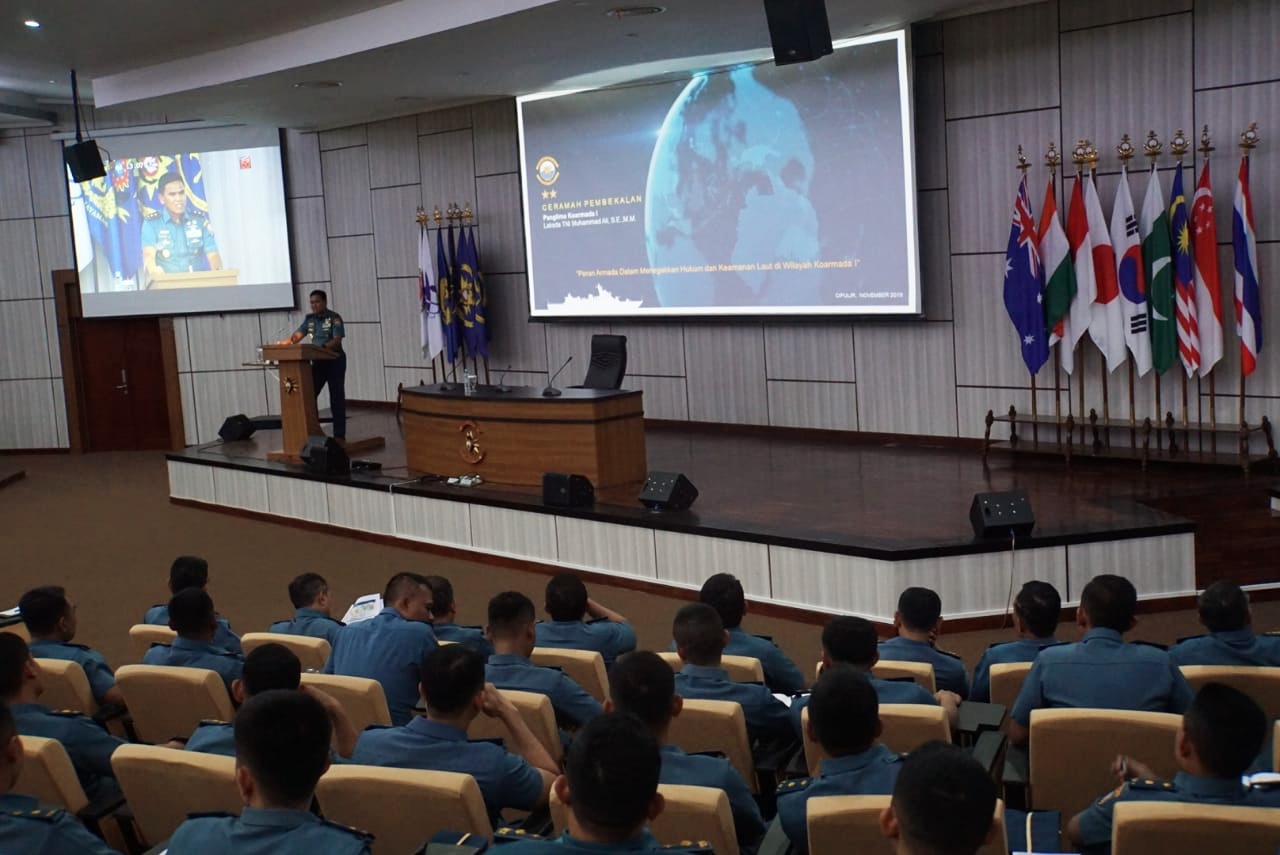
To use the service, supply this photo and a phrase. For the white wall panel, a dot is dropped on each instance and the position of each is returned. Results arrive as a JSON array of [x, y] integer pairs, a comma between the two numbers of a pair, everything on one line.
[[189, 481], [500, 233], [689, 559], [218, 394], [239, 489], [1001, 61], [298, 499], [48, 176], [804, 403], [222, 342], [448, 170], [53, 241], [15, 186], [302, 164], [24, 343], [906, 379], [433, 520], [824, 580], [28, 408], [20, 272], [346, 190], [353, 292], [624, 550], [1236, 42], [343, 137], [393, 152], [307, 234], [395, 230], [1155, 565], [401, 314], [726, 373], [362, 510], [1093, 13], [664, 397], [363, 345], [495, 130], [516, 533], [810, 352]]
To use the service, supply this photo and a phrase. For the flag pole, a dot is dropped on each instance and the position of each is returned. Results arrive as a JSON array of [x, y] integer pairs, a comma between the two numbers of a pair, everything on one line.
[[1091, 158], [1179, 146], [1051, 159], [1125, 151], [1152, 148], [1204, 149], [1249, 140], [1078, 156]]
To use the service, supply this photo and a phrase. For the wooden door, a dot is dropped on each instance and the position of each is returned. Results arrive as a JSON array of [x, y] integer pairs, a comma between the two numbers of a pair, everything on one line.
[[123, 383]]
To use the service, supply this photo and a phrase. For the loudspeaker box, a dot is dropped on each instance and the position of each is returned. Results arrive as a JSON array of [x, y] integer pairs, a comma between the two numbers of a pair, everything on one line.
[[84, 160], [567, 491], [798, 30], [1000, 515], [323, 456], [667, 491]]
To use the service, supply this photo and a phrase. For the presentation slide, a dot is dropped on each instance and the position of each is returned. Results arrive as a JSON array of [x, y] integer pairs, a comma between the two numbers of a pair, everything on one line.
[[184, 222], [751, 190]]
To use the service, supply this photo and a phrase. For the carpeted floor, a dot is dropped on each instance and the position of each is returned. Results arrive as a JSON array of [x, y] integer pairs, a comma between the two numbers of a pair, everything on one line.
[[102, 526]]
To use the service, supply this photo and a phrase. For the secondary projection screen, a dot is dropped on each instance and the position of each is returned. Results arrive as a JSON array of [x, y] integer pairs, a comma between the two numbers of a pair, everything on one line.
[[185, 221], [752, 190]]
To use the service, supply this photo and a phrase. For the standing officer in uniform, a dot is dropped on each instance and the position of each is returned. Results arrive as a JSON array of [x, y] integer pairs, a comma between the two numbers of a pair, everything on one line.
[[51, 619], [326, 330], [192, 617], [177, 239], [1035, 620], [919, 621], [444, 616], [309, 594], [1224, 611], [568, 605], [282, 749]]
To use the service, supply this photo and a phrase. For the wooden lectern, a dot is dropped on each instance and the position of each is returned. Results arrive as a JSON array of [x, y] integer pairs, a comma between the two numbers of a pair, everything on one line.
[[298, 416]]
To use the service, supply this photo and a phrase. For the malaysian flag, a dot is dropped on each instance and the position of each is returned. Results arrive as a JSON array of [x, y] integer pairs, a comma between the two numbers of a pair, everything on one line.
[[1248, 298], [1184, 287], [1024, 283]]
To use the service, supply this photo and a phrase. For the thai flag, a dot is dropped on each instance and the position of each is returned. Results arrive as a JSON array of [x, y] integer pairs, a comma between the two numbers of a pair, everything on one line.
[[1248, 300]]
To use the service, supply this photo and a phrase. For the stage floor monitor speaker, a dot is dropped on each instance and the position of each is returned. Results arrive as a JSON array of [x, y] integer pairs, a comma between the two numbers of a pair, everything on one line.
[[1001, 515], [567, 491], [668, 491], [323, 456], [240, 426], [84, 160], [798, 30]]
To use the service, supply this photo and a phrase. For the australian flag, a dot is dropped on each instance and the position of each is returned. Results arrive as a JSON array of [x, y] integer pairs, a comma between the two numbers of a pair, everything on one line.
[[1024, 283]]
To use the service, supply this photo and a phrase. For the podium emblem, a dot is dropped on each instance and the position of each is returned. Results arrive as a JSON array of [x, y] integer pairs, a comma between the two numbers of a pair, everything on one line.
[[290, 385], [470, 452]]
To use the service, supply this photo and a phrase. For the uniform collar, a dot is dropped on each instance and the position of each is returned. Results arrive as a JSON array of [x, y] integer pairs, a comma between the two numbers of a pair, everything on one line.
[[32, 707], [423, 726], [1105, 634], [309, 613], [1234, 636], [1041, 642], [1202, 786], [46, 642], [387, 611], [738, 631], [277, 817], [854, 762], [641, 842], [14, 802], [670, 750], [705, 672], [180, 643], [902, 639], [508, 659]]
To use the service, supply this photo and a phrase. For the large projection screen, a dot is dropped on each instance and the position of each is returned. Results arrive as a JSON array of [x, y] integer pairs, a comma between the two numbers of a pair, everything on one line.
[[750, 190]]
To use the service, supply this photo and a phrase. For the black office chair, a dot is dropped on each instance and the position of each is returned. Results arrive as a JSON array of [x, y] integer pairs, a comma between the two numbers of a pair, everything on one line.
[[608, 362]]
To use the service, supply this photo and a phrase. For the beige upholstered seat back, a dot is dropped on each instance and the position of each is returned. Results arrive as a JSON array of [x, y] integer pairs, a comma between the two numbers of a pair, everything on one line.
[[65, 686], [691, 813], [143, 635], [844, 824], [163, 785], [584, 667], [742, 669], [1262, 683], [536, 711], [1160, 828], [895, 669], [906, 728], [167, 701], [1006, 682], [48, 775], [311, 652], [362, 699], [19, 629], [716, 726]]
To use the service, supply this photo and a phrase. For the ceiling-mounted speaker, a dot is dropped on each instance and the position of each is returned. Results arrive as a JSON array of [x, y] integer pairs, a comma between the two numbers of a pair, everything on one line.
[[798, 30], [84, 160]]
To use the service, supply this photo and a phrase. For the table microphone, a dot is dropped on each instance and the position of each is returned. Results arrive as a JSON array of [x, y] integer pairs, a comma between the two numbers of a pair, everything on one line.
[[551, 391], [502, 378]]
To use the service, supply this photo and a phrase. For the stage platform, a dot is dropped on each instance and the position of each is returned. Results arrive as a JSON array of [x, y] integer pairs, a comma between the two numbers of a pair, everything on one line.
[[807, 522]]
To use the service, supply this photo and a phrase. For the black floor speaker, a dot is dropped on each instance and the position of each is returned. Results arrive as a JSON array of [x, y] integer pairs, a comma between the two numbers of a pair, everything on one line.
[[798, 30], [236, 428], [84, 160], [323, 456], [567, 491], [1001, 515], [667, 491]]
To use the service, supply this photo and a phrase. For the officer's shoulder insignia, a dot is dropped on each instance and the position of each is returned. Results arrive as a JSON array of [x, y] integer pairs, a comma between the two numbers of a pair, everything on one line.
[[68, 713], [1150, 784], [335, 317], [689, 846], [349, 829], [151, 215], [947, 653], [793, 785], [507, 833], [38, 814]]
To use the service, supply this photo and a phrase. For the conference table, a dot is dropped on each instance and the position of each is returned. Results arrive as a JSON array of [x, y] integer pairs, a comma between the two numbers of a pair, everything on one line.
[[513, 435]]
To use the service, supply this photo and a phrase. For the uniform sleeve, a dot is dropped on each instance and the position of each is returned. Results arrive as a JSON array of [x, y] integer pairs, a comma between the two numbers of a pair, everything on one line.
[[226, 638], [792, 815], [1180, 694], [771, 717], [748, 823], [573, 702], [72, 836], [91, 747], [962, 680], [981, 689], [780, 673], [1030, 698], [101, 680], [1095, 820], [302, 327], [210, 240], [616, 637], [921, 696], [337, 330], [520, 785]]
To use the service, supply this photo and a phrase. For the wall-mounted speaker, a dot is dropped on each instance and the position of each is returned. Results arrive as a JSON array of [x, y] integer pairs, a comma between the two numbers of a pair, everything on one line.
[[323, 456], [1001, 515], [667, 491], [798, 30], [567, 491], [84, 160]]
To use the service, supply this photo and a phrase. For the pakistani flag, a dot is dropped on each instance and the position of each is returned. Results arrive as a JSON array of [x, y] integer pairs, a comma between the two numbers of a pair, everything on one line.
[[1153, 226], [1055, 258]]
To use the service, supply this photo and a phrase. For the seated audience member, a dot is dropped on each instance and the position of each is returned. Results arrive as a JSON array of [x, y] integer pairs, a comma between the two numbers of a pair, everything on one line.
[[844, 718], [1101, 671], [723, 592], [282, 749], [1224, 612], [919, 622], [389, 646], [643, 685], [444, 618], [1035, 620], [568, 606], [51, 619], [510, 630], [189, 571], [309, 594], [271, 666], [944, 802], [192, 617], [88, 745], [700, 641], [26, 827], [455, 693], [1220, 733]]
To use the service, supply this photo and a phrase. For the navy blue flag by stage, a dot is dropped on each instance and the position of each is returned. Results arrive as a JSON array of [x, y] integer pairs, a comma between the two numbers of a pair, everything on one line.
[[470, 299], [1024, 283], [484, 292], [445, 285]]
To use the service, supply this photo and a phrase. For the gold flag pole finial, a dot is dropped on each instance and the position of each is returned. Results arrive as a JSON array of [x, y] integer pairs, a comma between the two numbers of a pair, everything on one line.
[[1080, 154], [1053, 158], [1091, 155], [437, 216], [467, 214], [1179, 145], [1205, 145], [1152, 147], [1249, 138], [1023, 163], [421, 216], [1125, 151]]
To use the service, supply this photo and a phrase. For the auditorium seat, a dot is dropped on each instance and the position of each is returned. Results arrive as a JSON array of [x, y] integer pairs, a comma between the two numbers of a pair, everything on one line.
[[403, 808], [843, 824], [167, 700], [19, 629], [362, 699], [1006, 682], [584, 667], [1158, 828], [1275, 746], [906, 727], [716, 726], [65, 686], [311, 652], [691, 813], [537, 713], [893, 669], [1072, 751], [742, 669], [144, 635], [163, 785], [1260, 683], [49, 776]]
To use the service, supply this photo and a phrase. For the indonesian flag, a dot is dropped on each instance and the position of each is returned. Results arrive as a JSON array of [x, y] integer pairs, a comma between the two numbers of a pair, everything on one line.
[[1106, 324], [1208, 290], [1248, 298], [1081, 314], [1131, 276], [1055, 257]]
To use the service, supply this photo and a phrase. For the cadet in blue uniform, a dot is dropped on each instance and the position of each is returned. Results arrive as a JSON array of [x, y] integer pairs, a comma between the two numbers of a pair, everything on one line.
[[1219, 736], [844, 718], [919, 621], [190, 571], [944, 801], [455, 692], [192, 617], [700, 640], [326, 330], [282, 749], [642, 684], [510, 630], [390, 646], [852, 641], [568, 606], [309, 594], [1101, 671], [25, 825], [444, 616], [723, 592], [1225, 613], [1035, 620], [178, 239], [88, 745], [51, 619]]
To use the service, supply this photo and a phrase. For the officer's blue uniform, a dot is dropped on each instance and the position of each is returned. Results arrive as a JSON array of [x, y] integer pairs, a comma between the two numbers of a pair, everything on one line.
[[470, 636], [28, 828], [767, 717], [1103, 672], [1004, 653], [387, 648], [1233, 647], [1095, 820], [189, 653], [182, 243], [222, 636], [267, 831], [887, 692], [948, 670], [780, 674], [698, 770], [609, 637], [101, 678], [506, 780], [573, 705], [309, 622], [566, 845], [214, 737], [87, 744], [322, 328], [871, 773]]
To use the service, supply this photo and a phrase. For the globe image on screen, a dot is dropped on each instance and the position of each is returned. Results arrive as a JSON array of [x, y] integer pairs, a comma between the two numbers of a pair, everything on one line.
[[729, 184]]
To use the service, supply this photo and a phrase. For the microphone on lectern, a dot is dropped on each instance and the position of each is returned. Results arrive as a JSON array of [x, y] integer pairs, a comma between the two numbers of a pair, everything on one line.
[[551, 391]]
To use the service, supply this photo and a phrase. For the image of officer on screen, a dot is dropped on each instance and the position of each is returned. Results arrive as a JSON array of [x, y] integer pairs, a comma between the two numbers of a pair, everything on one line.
[[178, 238]]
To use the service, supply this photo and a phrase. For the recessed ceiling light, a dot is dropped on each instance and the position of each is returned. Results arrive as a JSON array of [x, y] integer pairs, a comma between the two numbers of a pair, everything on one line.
[[31, 23], [318, 84], [634, 11]]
